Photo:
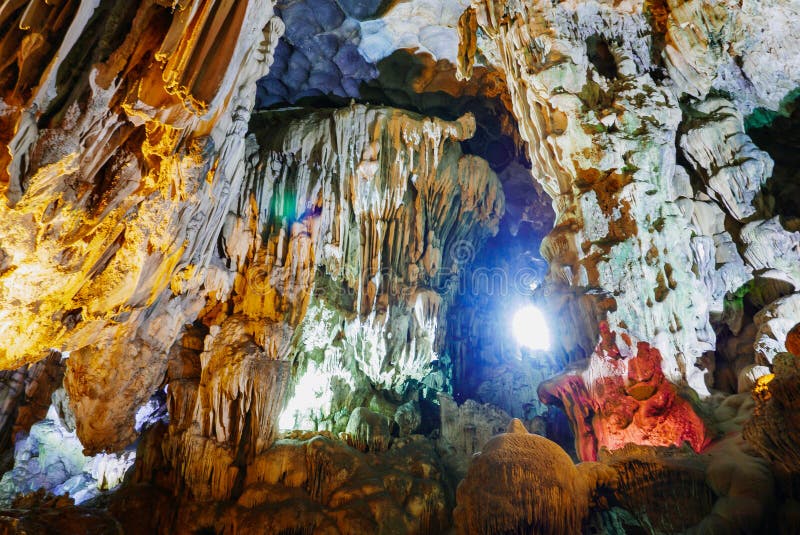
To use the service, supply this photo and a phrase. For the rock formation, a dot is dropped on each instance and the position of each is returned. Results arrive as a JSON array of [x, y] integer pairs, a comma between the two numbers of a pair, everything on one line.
[[623, 397], [773, 428], [123, 135], [521, 483]]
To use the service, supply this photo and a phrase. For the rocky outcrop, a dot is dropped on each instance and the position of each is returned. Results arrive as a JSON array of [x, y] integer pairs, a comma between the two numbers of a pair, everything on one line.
[[26, 397], [773, 429], [580, 76], [50, 457], [521, 483], [621, 397], [309, 483], [524, 483], [41, 512], [121, 150]]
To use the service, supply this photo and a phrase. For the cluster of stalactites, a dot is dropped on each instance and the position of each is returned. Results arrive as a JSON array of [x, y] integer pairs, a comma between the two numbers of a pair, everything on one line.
[[120, 152], [369, 213]]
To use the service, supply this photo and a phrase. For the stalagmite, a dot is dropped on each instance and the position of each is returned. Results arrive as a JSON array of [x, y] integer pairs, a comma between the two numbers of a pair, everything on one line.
[[773, 429], [521, 483]]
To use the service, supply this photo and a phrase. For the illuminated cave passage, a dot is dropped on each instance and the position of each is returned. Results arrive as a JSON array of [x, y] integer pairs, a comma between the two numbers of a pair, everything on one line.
[[424, 267]]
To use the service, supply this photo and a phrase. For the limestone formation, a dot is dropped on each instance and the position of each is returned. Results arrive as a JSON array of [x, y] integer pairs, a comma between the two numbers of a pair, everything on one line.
[[318, 54], [606, 166], [714, 136], [521, 483], [773, 429], [50, 457], [361, 244], [368, 431], [122, 137], [580, 75], [774, 322], [635, 488], [44, 513], [466, 429], [27, 394], [310, 483], [622, 397]]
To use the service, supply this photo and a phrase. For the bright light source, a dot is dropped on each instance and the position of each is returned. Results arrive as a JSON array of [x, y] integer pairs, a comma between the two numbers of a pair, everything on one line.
[[530, 328], [312, 396]]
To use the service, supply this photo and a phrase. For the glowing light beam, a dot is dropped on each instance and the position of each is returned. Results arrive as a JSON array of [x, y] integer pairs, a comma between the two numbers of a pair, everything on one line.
[[530, 328]]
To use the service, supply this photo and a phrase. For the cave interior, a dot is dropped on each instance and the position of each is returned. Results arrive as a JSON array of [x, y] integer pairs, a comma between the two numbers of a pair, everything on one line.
[[400, 267]]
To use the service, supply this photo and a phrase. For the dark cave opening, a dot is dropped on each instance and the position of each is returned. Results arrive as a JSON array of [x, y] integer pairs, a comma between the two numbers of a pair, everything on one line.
[[780, 138], [601, 57]]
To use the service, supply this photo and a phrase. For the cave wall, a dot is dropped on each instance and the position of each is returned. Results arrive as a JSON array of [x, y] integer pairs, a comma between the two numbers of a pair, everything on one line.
[[122, 144], [635, 132], [340, 253]]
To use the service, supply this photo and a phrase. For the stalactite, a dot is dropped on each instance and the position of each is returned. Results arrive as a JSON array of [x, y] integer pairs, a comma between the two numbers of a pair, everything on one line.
[[110, 168]]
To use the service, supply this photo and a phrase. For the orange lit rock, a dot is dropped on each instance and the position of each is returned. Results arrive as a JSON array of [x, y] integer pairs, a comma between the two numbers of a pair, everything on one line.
[[123, 128], [793, 341], [521, 483], [622, 397]]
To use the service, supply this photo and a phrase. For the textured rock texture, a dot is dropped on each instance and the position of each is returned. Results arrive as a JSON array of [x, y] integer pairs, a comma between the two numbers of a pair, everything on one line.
[[26, 397], [365, 212], [308, 483], [465, 430], [40, 512], [318, 54], [774, 427], [521, 483], [50, 457], [623, 397], [596, 89], [606, 165], [524, 483], [123, 134], [337, 259]]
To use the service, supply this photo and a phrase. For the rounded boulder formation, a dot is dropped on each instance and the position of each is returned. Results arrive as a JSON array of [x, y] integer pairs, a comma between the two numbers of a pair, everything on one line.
[[523, 484]]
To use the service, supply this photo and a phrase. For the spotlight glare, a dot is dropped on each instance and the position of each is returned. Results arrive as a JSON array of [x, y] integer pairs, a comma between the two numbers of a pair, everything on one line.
[[530, 328]]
